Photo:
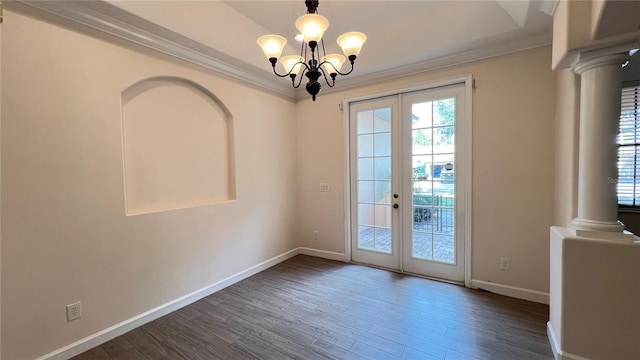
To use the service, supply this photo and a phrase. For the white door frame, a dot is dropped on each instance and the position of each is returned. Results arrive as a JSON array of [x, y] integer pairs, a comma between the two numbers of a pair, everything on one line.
[[467, 80]]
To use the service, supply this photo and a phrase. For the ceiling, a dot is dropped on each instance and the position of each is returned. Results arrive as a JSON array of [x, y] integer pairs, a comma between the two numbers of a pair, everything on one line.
[[405, 32], [403, 37]]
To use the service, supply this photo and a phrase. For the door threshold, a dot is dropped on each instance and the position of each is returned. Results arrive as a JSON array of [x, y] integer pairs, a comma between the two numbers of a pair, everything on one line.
[[408, 273]]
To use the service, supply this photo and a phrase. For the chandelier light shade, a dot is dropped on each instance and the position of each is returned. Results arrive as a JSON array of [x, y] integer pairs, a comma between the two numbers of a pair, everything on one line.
[[272, 45], [332, 63], [315, 65], [351, 42], [312, 27], [292, 63]]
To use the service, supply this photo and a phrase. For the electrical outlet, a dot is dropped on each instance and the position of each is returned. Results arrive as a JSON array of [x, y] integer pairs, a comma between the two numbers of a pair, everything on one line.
[[74, 311], [315, 236], [505, 264]]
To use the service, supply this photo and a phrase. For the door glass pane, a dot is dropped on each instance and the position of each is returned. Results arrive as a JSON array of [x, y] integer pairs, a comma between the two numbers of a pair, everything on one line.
[[382, 120], [444, 249], [444, 139], [365, 169], [445, 216], [365, 122], [383, 192], [422, 218], [365, 214], [422, 141], [382, 144], [422, 115], [365, 191], [383, 216], [422, 191], [444, 112], [422, 245], [383, 240], [365, 145], [365, 237], [422, 167], [374, 163], [433, 181], [382, 168]]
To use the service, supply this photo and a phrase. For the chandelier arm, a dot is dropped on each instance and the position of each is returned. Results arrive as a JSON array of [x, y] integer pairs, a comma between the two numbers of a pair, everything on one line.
[[273, 62], [273, 65], [336, 70], [333, 78], [278, 75], [306, 68]]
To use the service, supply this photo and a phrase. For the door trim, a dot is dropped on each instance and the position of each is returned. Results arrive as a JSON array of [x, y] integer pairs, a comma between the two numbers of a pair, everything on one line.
[[468, 82]]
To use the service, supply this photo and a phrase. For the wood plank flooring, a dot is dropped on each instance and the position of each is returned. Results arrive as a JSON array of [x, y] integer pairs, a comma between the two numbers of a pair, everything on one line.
[[311, 308]]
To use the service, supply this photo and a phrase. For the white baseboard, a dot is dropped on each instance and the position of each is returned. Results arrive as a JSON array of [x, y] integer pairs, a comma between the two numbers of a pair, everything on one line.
[[512, 291], [558, 354], [323, 254], [105, 335]]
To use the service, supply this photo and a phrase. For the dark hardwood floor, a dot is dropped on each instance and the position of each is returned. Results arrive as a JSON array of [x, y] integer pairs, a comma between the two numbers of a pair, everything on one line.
[[311, 308]]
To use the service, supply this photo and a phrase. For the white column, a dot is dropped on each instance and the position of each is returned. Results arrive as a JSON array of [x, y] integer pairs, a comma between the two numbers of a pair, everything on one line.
[[601, 81]]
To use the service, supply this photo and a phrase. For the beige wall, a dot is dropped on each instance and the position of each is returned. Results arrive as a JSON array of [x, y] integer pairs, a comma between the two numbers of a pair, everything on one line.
[[566, 136], [513, 164], [65, 236]]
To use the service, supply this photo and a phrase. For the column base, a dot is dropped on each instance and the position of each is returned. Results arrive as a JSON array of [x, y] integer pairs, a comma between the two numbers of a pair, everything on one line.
[[594, 296], [593, 225]]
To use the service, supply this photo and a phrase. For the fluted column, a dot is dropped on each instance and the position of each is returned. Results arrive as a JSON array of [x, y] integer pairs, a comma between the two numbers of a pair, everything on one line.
[[601, 79]]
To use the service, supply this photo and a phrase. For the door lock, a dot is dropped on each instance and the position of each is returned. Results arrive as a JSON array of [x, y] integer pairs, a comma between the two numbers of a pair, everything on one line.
[[395, 196], [395, 206]]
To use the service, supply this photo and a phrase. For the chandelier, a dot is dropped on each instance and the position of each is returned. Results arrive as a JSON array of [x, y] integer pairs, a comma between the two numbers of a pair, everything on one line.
[[318, 64]]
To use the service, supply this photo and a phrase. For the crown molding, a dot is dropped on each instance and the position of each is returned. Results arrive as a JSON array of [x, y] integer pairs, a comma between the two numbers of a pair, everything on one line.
[[110, 19], [486, 52]]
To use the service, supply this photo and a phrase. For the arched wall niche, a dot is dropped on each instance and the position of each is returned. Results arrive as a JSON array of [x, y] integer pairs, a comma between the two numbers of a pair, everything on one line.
[[177, 146]]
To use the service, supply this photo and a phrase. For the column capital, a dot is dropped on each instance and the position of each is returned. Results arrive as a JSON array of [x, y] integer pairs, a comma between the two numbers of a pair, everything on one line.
[[588, 61]]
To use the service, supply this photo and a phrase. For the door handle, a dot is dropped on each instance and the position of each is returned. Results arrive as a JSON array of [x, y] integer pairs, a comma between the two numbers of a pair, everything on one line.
[[395, 196], [395, 206]]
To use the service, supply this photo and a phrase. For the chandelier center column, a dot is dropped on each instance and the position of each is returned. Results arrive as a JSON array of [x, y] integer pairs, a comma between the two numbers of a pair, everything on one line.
[[601, 79]]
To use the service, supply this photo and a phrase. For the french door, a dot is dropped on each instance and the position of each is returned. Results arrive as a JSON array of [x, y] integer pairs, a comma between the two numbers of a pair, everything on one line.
[[407, 182]]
